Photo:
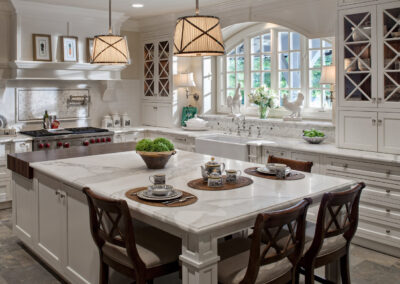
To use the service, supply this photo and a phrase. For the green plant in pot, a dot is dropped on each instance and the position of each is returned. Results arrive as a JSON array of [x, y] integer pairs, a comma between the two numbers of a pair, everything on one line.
[[265, 99], [155, 153]]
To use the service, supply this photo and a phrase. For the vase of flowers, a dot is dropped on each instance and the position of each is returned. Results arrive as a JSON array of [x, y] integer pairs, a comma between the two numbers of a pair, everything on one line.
[[265, 99]]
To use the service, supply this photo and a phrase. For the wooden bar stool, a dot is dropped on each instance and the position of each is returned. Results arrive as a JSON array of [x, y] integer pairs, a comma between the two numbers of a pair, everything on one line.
[[293, 164], [331, 236], [141, 253], [273, 261]]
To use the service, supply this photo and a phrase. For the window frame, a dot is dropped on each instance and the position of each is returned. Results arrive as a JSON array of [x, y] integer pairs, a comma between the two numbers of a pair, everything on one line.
[[258, 30]]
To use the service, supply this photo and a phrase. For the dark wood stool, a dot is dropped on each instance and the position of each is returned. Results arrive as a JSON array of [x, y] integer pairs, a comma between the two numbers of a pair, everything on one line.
[[141, 253], [293, 164], [336, 225]]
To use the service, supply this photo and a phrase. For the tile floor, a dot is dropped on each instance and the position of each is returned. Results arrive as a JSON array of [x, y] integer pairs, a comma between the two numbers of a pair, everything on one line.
[[18, 265]]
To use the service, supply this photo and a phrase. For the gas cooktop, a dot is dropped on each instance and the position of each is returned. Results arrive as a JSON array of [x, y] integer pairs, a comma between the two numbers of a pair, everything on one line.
[[65, 131]]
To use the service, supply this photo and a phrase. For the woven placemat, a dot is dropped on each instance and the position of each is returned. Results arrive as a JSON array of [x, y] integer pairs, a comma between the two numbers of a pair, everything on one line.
[[294, 175], [201, 185], [132, 196]]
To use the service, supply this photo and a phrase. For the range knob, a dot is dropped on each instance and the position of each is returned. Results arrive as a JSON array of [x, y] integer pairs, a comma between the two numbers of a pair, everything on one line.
[[108, 139], [92, 140], [66, 145], [97, 140], [47, 145], [85, 143], [103, 140], [59, 144], [41, 145]]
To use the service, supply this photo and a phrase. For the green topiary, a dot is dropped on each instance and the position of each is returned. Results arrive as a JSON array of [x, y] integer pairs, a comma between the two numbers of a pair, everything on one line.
[[159, 147], [165, 142], [144, 145]]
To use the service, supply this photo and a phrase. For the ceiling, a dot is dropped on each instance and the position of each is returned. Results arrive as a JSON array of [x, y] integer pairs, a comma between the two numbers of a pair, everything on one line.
[[151, 7]]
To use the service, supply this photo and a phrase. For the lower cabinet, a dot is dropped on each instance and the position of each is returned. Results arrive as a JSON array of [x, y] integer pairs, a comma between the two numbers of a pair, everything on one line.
[[388, 133], [52, 219], [274, 152], [157, 114], [129, 136], [307, 157]]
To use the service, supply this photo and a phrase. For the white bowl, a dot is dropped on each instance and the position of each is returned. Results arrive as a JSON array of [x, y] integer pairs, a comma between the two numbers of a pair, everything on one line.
[[274, 166], [314, 140], [160, 189]]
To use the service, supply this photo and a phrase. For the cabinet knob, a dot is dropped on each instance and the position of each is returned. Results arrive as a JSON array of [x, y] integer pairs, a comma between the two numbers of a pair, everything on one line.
[[345, 166], [387, 210], [388, 172], [387, 190], [373, 100], [57, 192], [387, 231], [373, 122], [379, 121], [379, 100]]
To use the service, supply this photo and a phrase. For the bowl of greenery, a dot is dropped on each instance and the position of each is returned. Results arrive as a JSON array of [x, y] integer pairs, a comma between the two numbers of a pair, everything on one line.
[[313, 136], [155, 153]]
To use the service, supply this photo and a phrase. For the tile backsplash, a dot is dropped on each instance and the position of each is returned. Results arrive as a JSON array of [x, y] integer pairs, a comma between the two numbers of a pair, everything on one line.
[[32, 103]]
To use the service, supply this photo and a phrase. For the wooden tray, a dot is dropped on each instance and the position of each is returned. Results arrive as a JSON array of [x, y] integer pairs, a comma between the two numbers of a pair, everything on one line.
[[294, 175], [132, 196], [201, 185]]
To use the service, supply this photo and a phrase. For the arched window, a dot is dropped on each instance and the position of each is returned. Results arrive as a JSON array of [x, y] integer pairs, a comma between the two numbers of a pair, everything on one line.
[[282, 59]]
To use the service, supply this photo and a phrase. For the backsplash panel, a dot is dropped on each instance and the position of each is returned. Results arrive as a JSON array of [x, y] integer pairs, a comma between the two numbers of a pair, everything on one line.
[[32, 103]]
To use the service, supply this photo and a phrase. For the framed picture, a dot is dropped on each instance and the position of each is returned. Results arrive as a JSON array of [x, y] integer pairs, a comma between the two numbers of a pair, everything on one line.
[[69, 46], [42, 47], [89, 48]]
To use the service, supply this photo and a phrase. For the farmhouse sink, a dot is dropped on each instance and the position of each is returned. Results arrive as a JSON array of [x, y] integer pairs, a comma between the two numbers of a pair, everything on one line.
[[231, 147]]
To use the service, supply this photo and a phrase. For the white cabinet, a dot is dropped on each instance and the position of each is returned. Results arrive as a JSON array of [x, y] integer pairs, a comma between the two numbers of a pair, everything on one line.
[[358, 130], [157, 114], [274, 152], [388, 132], [51, 205], [128, 136], [5, 190], [307, 157], [22, 147]]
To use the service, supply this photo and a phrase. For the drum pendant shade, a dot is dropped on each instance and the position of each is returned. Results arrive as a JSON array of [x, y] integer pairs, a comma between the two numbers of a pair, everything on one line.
[[198, 35], [110, 49]]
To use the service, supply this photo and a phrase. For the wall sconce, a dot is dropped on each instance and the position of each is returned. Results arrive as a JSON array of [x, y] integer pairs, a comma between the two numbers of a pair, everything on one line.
[[186, 80]]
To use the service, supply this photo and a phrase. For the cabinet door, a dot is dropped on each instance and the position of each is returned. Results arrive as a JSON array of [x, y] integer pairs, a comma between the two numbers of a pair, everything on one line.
[[164, 115], [149, 114], [22, 147], [358, 130], [119, 138], [149, 70], [51, 221], [357, 57], [274, 152], [388, 133], [389, 55], [164, 69], [307, 157], [82, 255], [24, 214], [133, 136]]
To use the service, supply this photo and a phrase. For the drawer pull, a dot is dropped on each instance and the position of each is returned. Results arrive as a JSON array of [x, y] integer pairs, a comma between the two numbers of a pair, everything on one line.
[[387, 231], [282, 154], [388, 172], [387, 210], [345, 166], [387, 190]]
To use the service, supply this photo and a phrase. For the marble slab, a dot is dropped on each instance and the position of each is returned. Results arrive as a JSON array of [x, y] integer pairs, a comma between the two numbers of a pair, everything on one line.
[[113, 174]]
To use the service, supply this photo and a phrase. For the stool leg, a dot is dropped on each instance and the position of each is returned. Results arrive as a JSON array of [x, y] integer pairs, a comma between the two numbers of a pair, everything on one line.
[[344, 269], [297, 275], [309, 275], [103, 273]]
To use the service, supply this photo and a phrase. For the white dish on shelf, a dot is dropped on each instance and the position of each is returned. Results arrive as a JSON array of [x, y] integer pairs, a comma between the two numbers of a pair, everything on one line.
[[195, 128]]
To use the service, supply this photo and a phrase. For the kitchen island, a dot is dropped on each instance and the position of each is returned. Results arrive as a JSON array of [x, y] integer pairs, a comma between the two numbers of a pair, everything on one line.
[[51, 217]]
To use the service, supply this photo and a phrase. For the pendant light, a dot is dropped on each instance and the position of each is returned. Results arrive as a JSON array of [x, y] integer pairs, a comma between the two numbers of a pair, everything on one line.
[[110, 49], [198, 36]]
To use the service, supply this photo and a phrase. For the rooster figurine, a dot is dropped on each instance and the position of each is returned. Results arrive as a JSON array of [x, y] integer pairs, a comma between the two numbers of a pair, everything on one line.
[[234, 102], [294, 107]]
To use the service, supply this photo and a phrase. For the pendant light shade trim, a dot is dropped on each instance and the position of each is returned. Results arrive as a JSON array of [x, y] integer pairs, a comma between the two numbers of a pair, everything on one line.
[[110, 49], [198, 35]]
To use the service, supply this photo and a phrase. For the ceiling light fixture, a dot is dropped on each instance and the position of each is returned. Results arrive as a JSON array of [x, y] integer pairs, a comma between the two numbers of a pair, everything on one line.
[[198, 36], [137, 5], [110, 49]]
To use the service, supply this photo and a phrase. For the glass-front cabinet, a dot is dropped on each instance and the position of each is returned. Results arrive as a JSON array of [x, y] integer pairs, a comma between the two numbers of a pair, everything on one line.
[[357, 51], [157, 70], [389, 53]]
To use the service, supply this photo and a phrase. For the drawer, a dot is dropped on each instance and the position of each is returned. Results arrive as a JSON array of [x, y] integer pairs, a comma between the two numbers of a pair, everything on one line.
[[307, 157], [274, 152], [381, 197], [23, 147], [374, 232], [133, 136], [389, 174], [379, 215]]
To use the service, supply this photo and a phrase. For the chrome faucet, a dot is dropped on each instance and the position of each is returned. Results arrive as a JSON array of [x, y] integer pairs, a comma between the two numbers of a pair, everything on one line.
[[238, 120]]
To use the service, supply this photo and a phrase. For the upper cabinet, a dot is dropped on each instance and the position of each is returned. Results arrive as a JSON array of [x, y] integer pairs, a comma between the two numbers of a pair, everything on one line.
[[157, 70], [389, 53], [358, 61]]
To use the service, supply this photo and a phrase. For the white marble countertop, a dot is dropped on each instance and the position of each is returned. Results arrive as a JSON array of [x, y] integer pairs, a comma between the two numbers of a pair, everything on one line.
[[113, 174], [175, 130], [17, 138]]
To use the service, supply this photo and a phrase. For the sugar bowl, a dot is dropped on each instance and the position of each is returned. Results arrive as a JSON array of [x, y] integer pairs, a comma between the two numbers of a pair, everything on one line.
[[215, 179]]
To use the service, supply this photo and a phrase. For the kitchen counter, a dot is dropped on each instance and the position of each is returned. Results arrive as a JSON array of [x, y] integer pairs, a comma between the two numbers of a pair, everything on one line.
[[163, 130], [17, 138]]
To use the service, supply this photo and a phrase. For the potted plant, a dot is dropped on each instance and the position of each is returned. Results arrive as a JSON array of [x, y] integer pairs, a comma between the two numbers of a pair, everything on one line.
[[157, 153], [265, 99]]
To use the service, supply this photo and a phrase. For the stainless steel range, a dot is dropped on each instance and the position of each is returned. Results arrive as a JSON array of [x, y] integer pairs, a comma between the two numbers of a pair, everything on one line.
[[46, 139]]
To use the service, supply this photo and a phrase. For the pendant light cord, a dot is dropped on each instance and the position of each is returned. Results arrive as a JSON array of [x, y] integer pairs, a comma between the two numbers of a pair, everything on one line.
[[197, 8], [109, 18]]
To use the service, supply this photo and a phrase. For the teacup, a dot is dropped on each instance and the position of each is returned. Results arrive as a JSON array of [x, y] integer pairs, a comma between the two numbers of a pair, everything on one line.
[[233, 175], [274, 166], [280, 171], [160, 189], [157, 179]]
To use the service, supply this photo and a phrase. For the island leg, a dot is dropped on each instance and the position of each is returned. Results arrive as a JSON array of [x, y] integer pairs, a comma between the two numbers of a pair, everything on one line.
[[199, 259]]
